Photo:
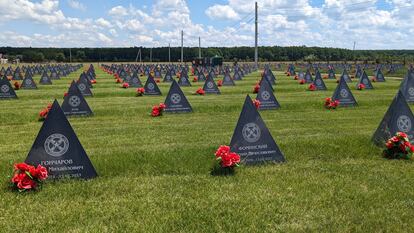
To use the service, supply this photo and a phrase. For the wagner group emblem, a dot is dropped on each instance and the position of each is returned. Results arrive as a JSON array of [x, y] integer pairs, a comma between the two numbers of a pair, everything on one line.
[[251, 132], [5, 89], [175, 98], [344, 93], [56, 145], [404, 123], [74, 101]]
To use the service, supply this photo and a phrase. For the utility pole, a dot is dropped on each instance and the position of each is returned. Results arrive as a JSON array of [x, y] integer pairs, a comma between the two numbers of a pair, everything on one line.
[[182, 46], [169, 53], [354, 46], [256, 52], [199, 47], [138, 54], [151, 54], [70, 55]]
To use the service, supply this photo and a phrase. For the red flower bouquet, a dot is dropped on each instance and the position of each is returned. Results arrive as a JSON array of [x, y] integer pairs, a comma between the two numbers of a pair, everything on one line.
[[157, 80], [44, 112], [256, 88], [140, 91], [398, 147], [256, 103], [157, 110], [16, 85], [118, 80], [65, 94], [125, 85], [330, 104], [295, 78], [200, 91], [195, 79], [361, 86], [374, 79], [312, 87], [27, 177], [302, 81], [93, 81], [220, 83], [225, 161]]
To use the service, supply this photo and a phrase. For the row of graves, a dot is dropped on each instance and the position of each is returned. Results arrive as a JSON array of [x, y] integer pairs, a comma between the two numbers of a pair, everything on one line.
[[58, 148], [26, 74]]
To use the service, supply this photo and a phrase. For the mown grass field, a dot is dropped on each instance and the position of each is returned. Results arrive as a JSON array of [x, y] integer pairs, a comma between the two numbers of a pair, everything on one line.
[[154, 172]]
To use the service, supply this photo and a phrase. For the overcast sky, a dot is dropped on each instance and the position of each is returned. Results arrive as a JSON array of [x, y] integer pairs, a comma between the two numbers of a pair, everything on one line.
[[382, 24]]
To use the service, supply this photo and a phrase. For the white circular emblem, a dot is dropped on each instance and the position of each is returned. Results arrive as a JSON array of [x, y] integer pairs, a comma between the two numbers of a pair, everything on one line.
[[183, 80], [404, 123], [318, 82], [74, 101], [28, 82], [5, 88], [365, 81], [344, 93], [411, 91], [135, 80], [175, 98], [151, 86], [81, 86], [210, 85], [265, 95], [251, 132], [44, 78], [56, 145]]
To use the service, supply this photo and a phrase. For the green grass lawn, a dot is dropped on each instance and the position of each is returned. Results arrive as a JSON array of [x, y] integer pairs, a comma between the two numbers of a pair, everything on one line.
[[154, 172]]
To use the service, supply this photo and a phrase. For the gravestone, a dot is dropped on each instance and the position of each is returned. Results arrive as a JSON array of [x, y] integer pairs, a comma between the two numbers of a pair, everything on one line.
[[183, 80], [6, 90], [398, 118], [407, 87], [28, 83], [343, 94], [201, 77], [74, 104], [135, 81], [57, 148], [168, 77], [210, 86], [318, 82], [84, 88], [266, 97], [345, 76], [379, 76], [308, 77], [176, 102], [252, 139], [331, 74], [227, 80], [363, 79], [151, 87], [45, 80]]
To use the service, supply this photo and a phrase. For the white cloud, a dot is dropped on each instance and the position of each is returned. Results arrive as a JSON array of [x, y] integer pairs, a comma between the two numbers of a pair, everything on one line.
[[118, 11], [222, 12], [76, 5], [103, 23]]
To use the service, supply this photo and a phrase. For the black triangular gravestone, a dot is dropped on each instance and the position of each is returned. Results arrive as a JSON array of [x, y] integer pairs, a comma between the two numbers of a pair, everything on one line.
[[183, 81], [176, 101], [308, 77], [59, 150], [363, 79], [318, 82], [210, 86], [398, 118], [265, 96], [28, 83], [168, 77], [343, 94], [135, 81], [407, 87], [201, 77], [84, 88], [227, 80], [252, 139], [45, 80], [331, 74], [84, 79], [151, 87], [345, 76], [379, 76], [6, 90], [74, 104]]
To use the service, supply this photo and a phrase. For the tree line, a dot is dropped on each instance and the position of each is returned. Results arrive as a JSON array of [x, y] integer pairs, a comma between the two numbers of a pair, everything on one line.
[[161, 54]]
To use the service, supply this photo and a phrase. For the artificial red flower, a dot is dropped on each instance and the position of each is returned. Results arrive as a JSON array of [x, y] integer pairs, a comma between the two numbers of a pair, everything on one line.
[[227, 158], [195, 79], [27, 177], [330, 104], [325, 77], [22, 167], [312, 87], [140, 91], [93, 81], [374, 79], [256, 88], [16, 85], [162, 106], [200, 91], [288, 74], [155, 111], [41, 173], [398, 147], [361, 86], [65, 94], [220, 83], [157, 80], [222, 150], [118, 80], [256, 103], [296, 77], [302, 81], [125, 85]]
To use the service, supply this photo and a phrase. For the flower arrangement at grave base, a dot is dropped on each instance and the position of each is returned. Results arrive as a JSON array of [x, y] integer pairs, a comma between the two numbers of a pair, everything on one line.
[[302, 81], [220, 83], [296, 77], [331, 104], [27, 177], [256, 103], [9, 78], [288, 74], [374, 79], [44, 112], [225, 162], [325, 77], [157, 110], [195, 79], [200, 91], [140, 91], [93, 81], [312, 87], [157, 80], [125, 85], [118, 80], [16, 85], [361, 86], [398, 147], [256, 88]]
